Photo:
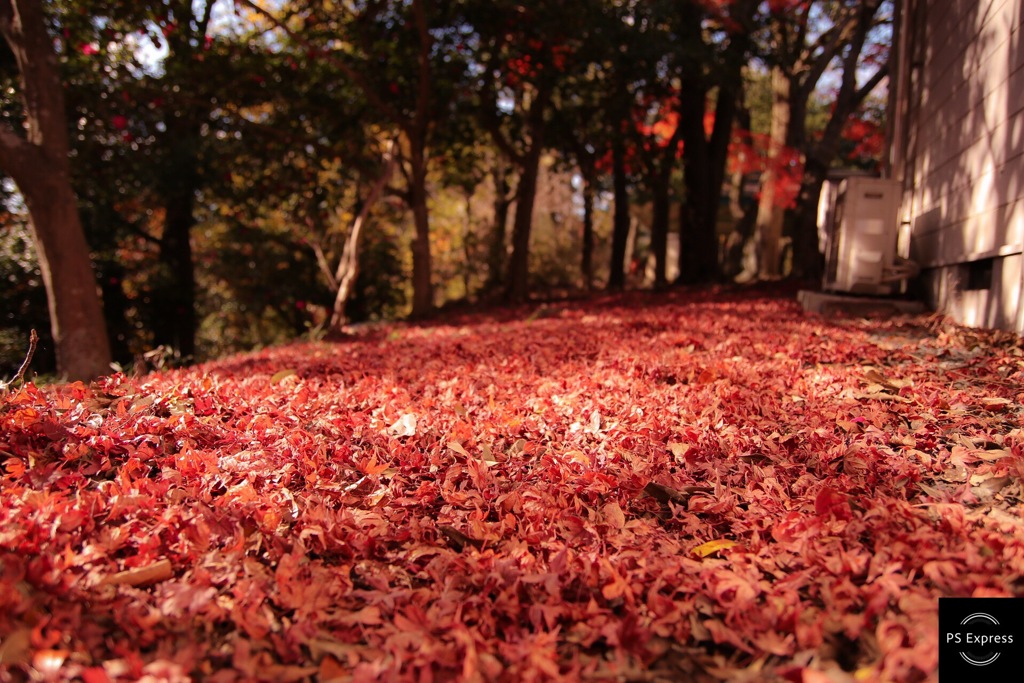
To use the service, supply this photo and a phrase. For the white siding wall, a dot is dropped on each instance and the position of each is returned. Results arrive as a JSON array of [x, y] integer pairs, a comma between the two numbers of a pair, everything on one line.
[[961, 103]]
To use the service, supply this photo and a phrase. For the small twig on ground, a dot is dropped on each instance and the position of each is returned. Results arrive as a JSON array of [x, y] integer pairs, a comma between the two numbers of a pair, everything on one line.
[[19, 376], [161, 570]]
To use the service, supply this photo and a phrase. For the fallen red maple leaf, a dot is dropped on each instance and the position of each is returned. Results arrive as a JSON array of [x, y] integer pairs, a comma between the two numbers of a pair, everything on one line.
[[635, 487]]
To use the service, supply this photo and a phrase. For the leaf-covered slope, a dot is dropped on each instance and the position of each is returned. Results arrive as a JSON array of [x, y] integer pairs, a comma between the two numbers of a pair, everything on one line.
[[630, 489]]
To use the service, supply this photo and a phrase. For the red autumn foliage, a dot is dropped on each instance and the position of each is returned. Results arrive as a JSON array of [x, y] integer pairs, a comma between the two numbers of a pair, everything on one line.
[[673, 488], [748, 153], [866, 137]]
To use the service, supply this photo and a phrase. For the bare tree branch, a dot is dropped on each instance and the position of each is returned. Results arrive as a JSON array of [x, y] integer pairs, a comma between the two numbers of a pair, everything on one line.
[[353, 74]]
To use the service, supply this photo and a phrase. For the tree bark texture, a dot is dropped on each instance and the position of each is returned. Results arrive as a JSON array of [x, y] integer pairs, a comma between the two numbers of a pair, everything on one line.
[[698, 248], [497, 253], [519, 264], [620, 215], [807, 259], [348, 265], [422, 284], [175, 322], [38, 163], [769, 214], [417, 129], [660, 186], [587, 257]]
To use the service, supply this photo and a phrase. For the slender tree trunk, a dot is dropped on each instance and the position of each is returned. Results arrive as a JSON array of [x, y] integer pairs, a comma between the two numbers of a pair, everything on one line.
[[807, 259], [660, 186], [422, 287], [417, 129], [38, 163], [497, 253], [519, 266], [111, 274], [726, 110], [587, 257], [175, 319], [348, 266], [468, 246], [620, 216]]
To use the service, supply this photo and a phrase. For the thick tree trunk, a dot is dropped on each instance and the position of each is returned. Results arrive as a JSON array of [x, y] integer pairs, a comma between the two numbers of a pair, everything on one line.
[[769, 214], [175, 319], [705, 158], [76, 316], [620, 216], [698, 249], [38, 164]]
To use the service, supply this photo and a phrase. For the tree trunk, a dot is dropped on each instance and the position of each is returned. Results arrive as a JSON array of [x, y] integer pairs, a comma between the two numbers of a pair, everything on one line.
[[519, 266], [497, 253], [468, 246], [344, 279], [587, 257], [807, 258], [726, 110], [76, 316], [808, 262], [175, 319], [417, 128], [620, 217], [769, 213], [659, 225], [422, 287], [698, 248], [39, 165], [705, 158]]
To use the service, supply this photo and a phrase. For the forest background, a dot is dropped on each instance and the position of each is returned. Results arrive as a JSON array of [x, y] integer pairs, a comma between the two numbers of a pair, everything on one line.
[[184, 179]]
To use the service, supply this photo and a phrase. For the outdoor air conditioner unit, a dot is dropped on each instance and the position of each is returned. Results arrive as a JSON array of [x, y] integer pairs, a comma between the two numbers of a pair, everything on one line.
[[860, 217]]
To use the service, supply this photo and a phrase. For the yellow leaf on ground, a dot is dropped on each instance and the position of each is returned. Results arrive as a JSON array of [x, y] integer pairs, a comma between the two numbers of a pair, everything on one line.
[[712, 547], [281, 374]]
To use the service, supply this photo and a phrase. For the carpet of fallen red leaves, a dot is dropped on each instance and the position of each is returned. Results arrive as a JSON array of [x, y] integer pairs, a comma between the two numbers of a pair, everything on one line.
[[687, 487]]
